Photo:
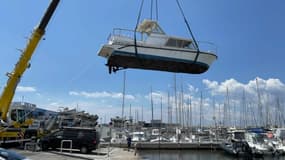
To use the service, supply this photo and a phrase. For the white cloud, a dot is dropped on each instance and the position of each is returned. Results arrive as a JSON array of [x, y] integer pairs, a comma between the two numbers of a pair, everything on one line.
[[221, 89], [103, 94], [271, 86], [192, 89], [269, 90], [275, 85], [25, 89], [210, 84], [54, 104], [157, 96]]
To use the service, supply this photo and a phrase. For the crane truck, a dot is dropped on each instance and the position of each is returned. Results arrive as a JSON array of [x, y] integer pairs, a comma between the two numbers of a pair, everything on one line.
[[16, 129]]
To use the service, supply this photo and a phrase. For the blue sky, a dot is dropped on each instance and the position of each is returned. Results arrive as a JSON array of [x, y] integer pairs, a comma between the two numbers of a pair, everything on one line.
[[66, 71]]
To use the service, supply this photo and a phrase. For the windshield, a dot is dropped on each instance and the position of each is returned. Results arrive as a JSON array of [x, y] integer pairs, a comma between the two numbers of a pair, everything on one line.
[[239, 135], [259, 138]]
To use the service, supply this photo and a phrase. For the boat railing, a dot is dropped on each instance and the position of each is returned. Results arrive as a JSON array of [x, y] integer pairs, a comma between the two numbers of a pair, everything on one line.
[[208, 47], [125, 33]]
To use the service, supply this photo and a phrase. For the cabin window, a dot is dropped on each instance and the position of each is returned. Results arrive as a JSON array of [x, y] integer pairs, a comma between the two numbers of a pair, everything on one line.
[[18, 115], [14, 115], [177, 43], [239, 135]]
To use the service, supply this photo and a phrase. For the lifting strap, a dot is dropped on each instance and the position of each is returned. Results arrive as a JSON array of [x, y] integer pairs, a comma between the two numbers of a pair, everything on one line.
[[135, 35], [156, 9], [151, 4], [189, 29]]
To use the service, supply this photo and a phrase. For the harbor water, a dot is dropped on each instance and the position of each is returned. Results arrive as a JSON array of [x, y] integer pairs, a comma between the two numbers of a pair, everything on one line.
[[197, 155]]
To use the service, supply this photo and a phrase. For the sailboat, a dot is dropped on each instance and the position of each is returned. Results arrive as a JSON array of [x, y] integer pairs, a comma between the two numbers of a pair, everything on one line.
[[154, 51]]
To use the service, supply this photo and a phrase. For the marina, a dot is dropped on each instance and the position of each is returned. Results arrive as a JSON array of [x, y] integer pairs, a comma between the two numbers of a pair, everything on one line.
[[184, 96], [197, 154]]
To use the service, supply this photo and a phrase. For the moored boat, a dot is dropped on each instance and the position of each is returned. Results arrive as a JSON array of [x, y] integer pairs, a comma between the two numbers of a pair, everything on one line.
[[138, 137], [259, 144], [236, 144]]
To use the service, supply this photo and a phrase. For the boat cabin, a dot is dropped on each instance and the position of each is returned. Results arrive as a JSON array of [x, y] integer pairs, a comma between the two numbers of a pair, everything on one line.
[[151, 34]]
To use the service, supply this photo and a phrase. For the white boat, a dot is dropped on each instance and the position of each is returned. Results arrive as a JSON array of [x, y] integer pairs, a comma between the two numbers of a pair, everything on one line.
[[138, 137], [259, 144], [277, 145], [118, 136], [280, 133], [154, 51], [235, 144], [278, 140], [173, 139], [155, 132], [160, 139]]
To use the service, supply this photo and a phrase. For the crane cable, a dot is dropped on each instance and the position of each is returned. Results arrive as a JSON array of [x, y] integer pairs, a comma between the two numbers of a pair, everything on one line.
[[189, 29], [156, 10], [151, 4], [138, 20]]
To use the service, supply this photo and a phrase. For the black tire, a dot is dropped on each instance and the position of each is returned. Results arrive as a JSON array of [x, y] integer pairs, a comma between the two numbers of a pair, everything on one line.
[[84, 150], [44, 146]]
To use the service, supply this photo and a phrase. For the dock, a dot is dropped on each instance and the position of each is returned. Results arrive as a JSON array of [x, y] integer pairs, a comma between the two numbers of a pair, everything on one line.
[[103, 153], [175, 146], [167, 145]]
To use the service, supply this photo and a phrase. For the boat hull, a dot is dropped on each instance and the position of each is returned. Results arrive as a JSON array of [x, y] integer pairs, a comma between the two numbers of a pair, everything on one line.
[[237, 149], [153, 58]]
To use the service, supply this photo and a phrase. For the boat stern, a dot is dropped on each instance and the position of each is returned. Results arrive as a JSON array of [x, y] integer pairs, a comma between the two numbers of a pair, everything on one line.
[[105, 51]]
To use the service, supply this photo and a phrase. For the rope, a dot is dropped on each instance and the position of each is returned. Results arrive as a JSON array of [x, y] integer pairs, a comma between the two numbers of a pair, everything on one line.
[[138, 20], [189, 29]]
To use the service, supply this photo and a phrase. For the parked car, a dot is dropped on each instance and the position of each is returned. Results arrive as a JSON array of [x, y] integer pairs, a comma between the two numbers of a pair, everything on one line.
[[6, 154], [84, 139]]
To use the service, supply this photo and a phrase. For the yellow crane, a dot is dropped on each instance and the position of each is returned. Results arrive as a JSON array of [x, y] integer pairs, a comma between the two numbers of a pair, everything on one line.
[[14, 77]]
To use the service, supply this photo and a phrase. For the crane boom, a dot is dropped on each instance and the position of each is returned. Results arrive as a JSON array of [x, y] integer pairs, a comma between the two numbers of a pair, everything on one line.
[[23, 63]]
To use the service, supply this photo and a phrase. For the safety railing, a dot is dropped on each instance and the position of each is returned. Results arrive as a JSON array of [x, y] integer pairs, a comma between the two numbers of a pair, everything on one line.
[[66, 141], [208, 47], [126, 33]]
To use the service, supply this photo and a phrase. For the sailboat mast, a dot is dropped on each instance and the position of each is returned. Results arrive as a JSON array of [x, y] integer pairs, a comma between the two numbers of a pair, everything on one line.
[[130, 114], [161, 109], [279, 111], [228, 108], [175, 99], [151, 103], [142, 113], [124, 89], [182, 111], [201, 114], [259, 104], [214, 112], [190, 110], [188, 113], [169, 109], [243, 118]]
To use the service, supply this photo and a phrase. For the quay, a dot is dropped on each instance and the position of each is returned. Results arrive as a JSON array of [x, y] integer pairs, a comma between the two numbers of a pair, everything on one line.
[[167, 145], [102, 153], [175, 146]]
